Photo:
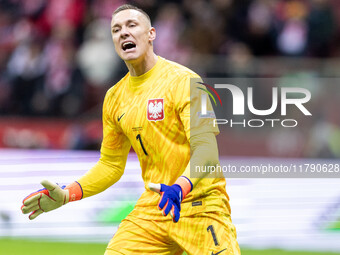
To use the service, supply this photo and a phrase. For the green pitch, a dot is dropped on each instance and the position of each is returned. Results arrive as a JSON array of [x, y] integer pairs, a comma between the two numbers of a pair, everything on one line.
[[27, 247]]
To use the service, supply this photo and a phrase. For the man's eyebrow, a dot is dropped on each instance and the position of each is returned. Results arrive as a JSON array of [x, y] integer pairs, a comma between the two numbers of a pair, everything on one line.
[[128, 21]]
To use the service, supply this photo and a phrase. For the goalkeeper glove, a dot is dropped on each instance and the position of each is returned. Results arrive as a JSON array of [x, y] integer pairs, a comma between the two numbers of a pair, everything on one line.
[[51, 197], [172, 196]]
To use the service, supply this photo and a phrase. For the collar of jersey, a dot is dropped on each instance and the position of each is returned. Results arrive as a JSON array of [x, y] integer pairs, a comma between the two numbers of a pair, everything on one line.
[[138, 82]]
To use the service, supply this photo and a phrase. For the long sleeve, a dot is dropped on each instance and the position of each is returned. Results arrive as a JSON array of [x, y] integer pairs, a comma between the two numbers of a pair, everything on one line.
[[114, 151], [106, 172]]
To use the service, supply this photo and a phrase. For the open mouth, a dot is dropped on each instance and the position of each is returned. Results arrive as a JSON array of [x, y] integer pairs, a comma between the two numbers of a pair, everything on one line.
[[128, 45]]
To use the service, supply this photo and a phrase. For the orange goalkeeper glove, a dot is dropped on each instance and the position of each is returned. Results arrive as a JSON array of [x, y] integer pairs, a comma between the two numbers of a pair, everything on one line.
[[51, 197]]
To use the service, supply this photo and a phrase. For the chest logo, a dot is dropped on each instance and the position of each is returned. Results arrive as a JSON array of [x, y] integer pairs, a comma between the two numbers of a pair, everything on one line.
[[121, 116], [155, 110]]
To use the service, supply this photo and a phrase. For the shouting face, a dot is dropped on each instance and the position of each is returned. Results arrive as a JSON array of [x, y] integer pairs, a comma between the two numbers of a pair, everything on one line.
[[132, 34]]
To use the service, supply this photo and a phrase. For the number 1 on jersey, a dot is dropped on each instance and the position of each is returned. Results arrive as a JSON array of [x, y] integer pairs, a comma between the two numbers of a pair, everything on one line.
[[138, 137], [212, 231]]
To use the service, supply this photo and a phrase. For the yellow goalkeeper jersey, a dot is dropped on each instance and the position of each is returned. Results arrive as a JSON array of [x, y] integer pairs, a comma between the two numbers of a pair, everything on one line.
[[151, 113]]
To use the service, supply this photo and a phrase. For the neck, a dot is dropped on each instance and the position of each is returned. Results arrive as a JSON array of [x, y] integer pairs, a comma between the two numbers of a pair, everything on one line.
[[139, 67]]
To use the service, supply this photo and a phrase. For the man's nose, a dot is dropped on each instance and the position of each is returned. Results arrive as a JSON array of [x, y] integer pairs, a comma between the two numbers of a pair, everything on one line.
[[124, 32]]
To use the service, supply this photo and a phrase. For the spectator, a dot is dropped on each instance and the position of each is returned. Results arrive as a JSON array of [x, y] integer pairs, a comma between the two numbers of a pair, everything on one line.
[[26, 70], [322, 27], [98, 66]]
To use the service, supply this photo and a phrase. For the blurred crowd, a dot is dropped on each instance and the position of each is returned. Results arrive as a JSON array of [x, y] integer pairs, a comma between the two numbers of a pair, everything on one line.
[[57, 57]]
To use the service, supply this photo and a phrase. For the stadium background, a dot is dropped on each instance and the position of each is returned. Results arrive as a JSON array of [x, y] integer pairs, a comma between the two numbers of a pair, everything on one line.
[[57, 60]]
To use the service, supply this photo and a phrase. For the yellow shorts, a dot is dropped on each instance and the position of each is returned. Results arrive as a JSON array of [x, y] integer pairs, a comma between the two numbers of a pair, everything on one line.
[[206, 233]]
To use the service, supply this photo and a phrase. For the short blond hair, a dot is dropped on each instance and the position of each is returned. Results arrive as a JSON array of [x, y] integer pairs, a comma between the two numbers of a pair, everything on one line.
[[131, 7]]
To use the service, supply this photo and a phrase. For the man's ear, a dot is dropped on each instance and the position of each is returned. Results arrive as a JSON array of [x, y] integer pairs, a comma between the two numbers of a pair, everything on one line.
[[152, 34]]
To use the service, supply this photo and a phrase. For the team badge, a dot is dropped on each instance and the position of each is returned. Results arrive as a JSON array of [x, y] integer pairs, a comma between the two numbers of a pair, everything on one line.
[[155, 110]]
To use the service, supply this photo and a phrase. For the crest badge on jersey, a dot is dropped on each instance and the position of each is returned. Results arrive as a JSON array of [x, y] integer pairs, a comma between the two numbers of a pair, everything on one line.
[[155, 110]]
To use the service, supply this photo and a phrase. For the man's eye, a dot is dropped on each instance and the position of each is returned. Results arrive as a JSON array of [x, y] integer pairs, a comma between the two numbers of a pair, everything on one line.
[[132, 25], [115, 30]]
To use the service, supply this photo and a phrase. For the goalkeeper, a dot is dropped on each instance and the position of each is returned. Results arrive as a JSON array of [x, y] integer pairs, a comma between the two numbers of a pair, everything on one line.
[[149, 109]]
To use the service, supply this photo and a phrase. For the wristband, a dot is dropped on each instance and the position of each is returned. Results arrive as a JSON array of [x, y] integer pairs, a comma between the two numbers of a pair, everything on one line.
[[75, 191], [185, 184]]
